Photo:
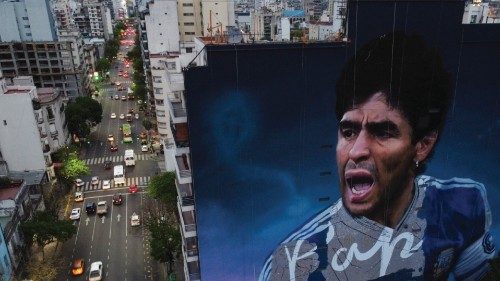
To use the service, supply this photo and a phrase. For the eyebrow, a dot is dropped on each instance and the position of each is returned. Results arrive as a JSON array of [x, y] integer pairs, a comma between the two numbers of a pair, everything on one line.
[[371, 126]]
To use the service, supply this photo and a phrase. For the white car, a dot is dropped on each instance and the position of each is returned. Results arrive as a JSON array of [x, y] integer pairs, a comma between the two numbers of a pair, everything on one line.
[[75, 214], [113, 115], [144, 148], [79, 183], [95, 271], [106, 184], [137, 116], [139, 102], [122, 116], [78, 196], [95, 180], [117, 83]]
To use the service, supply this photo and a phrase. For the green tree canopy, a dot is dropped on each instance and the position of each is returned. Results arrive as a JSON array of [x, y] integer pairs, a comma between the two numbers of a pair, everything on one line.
[[73, 168], [147, 124], [165, 240], [81, 114], [162, 187], [44, 228], [103, 65]]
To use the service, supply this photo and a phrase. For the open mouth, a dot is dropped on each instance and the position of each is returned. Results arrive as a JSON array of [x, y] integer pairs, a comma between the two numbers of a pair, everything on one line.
[[360, 184]]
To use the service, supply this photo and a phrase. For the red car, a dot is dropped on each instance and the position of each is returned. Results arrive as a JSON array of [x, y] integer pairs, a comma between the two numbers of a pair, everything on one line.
[[113, 147], [133, 188]]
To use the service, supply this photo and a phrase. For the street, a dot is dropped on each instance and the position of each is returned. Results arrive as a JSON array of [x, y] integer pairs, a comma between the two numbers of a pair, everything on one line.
[[123, 249]]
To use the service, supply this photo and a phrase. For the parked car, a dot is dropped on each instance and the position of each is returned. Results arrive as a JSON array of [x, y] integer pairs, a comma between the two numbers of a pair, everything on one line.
[[106, 184], [75, 214], [117, 199], [107, 165], [95, 273], [95, 180], [79, 183], [117, 97], [139, 102], [144, 148], [133, 188], [131, 97], [113, 115], [122, 116], [137, 116], [129, 117], [78, 267], [90, 208], [117, 83], [78, 196]]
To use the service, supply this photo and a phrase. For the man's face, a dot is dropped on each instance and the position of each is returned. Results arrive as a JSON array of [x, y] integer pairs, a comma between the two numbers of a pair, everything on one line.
[[374, 158]]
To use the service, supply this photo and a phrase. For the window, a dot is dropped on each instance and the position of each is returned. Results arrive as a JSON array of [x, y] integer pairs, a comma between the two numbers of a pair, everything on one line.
[[158, 91], [50, 113], [189, 33], [28, 34], [189, 50], [27, 26], [25, 18], [160, 113], [171, 65], [157, 79], [159, 102], [189, 24], [188, 14], [187, 4]]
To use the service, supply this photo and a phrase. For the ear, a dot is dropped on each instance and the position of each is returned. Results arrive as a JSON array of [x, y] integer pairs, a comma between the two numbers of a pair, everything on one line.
[[424, 146]]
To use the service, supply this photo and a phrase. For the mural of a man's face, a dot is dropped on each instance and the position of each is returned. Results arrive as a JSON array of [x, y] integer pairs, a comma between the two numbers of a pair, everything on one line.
[[374, 158]]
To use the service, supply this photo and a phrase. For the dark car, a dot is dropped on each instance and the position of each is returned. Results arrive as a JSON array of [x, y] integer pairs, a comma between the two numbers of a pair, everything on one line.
[[113, 147], [107, 165], [117, 199], [90, 208], [131, 111]]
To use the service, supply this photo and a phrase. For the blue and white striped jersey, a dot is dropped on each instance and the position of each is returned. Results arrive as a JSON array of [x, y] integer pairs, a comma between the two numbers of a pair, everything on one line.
[[444, 230]]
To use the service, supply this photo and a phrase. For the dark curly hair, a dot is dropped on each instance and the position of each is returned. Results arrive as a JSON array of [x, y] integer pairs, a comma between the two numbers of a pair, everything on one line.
[[411, 76]]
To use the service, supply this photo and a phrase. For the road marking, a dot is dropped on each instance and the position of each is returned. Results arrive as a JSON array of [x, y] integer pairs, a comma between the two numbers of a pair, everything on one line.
[[87, 221], [102, 219], [118, 218]]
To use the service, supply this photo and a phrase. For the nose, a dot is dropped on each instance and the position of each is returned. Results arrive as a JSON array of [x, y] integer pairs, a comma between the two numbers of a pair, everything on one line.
[[360, 149]]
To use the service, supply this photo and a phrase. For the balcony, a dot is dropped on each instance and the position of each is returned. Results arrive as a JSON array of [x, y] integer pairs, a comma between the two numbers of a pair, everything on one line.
[[182, 169], [177, 111], [176, 81], [40, 120], [46, 149], [54, 134]]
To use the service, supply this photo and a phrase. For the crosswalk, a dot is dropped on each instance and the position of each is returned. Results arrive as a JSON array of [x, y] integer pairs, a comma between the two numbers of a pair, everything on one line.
[[140, 181], [115, 159]]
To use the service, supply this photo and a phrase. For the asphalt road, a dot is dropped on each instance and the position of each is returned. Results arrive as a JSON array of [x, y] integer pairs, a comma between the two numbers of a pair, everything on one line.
[[123, 249]]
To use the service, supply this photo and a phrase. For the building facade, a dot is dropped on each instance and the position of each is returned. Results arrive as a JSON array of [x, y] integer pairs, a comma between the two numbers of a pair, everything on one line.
[[50, 63], [26, 20]]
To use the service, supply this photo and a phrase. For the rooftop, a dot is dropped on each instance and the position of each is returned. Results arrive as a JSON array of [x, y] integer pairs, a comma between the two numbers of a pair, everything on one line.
[[30, 177], [47, 94]]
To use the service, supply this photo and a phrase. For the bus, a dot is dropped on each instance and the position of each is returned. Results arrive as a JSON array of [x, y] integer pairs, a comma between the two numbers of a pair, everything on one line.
[[129, 157], [127, 133], [119, 175]]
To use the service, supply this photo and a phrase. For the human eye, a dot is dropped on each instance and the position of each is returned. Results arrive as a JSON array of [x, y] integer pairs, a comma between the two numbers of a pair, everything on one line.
[[347, 132]]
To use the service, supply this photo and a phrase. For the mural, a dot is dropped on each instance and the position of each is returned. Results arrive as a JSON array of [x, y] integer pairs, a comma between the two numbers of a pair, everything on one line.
[[267, 153]]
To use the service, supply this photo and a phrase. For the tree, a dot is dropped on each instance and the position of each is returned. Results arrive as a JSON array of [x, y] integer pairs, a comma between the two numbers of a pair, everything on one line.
[[81, 114], [73, 168], [42, 270], [45, 228], [162, 187], [165, 240], [147, 124], [102, 65]]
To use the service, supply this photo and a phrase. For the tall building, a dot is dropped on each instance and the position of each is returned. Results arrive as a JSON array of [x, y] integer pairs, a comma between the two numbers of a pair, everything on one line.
[[93, 19], [217, 16], [26, 20], [51, 64]]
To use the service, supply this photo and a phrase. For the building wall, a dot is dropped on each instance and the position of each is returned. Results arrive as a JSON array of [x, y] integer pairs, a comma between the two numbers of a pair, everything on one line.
[[162, 27], [19, 135], [5, 263], [190, 19], [217, 15], [28, 20]]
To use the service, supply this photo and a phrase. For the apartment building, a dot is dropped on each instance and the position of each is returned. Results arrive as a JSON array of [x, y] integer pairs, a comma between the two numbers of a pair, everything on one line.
[[27, 143], [50, 63], [62, 13], [26, 20], [19, 199], [217, 16], [93, 19]]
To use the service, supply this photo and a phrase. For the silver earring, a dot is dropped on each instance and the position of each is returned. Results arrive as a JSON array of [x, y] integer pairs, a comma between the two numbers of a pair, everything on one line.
[[416, 163]]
